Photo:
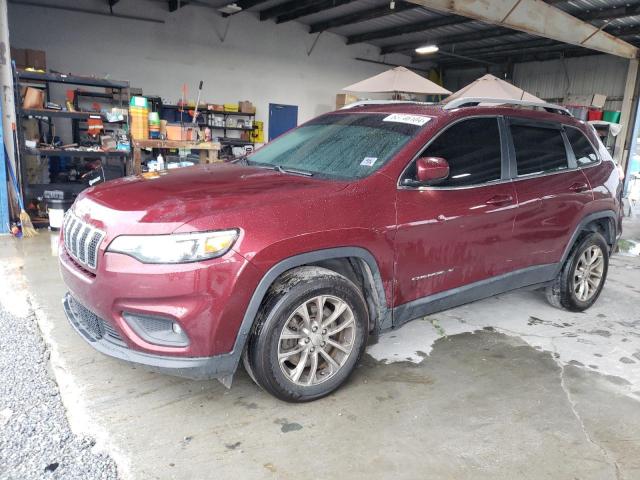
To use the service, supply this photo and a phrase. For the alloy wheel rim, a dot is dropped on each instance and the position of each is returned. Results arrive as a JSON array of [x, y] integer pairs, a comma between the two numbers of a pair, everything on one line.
[[587, 276], [316, 340]]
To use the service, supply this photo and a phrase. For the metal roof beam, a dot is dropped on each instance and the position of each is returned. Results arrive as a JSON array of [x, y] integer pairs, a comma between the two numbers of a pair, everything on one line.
[[527, 44], [361, 16], [486, 34], [450, 39], [315, 8], [537, 18], [285, 8], [611, 13], [411, 28]]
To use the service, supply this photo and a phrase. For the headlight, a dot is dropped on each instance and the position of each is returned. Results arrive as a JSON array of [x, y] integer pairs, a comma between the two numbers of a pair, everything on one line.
[[175, 248]]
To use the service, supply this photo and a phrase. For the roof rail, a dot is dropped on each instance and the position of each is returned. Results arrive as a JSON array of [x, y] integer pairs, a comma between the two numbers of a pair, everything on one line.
[[475, 101], [361, 103]]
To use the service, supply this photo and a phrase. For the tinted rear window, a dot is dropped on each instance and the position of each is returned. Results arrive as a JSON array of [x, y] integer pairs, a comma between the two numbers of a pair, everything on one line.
[[582, 148], [538, 149]]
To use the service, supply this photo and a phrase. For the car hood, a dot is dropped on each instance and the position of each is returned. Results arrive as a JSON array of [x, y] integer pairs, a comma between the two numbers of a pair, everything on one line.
[[174, 197]]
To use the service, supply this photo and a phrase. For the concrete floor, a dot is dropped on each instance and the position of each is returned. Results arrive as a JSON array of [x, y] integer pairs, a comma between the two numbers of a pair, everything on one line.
[[505, 388]]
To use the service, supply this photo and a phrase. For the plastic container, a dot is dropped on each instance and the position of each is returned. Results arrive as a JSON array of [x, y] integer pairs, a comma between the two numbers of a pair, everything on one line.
[[139, 117], [612, 116], [56, 209], [580, 113], [594, 114]]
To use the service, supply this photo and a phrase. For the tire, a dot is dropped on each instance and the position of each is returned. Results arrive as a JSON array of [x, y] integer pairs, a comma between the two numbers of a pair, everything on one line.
[[284, 342], [566, 290]]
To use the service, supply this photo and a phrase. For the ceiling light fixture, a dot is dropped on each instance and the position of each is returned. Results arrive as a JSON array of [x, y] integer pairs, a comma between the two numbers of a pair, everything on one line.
[[427, 49]]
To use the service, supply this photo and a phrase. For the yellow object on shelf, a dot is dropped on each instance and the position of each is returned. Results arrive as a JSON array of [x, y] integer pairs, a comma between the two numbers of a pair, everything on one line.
[[257, 134], [231, 107]]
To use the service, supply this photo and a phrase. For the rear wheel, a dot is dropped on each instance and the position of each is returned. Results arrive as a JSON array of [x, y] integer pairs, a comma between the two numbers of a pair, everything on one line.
[[310, 333], [582, 278]]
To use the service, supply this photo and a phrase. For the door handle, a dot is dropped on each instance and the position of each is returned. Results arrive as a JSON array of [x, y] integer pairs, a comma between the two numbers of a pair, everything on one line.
[[579, 187], [500, 200]]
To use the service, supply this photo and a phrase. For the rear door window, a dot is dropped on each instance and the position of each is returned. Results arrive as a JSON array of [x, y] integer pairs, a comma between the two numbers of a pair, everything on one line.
[[582, 148], [472, 149], [538, 149]]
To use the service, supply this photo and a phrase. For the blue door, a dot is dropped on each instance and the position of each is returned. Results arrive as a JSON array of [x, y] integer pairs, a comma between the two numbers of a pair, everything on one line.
[[282, 118]]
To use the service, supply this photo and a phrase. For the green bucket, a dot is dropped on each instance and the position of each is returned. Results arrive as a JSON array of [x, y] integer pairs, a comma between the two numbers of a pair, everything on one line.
[[612, 116]]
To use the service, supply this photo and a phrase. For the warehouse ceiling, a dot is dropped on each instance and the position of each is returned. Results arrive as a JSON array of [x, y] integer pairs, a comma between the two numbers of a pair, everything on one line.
[[462, 41], [399, 27]]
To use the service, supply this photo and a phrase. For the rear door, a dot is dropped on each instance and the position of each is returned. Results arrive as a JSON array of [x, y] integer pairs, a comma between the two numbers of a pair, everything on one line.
[[458, 232], [552, 192]]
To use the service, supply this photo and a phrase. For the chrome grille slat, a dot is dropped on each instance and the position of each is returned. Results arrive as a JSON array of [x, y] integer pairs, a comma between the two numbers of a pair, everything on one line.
[[82, 241], [82, 251]]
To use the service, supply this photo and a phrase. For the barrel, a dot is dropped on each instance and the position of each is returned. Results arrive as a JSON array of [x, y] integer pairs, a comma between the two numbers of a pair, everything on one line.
[[56, 208]]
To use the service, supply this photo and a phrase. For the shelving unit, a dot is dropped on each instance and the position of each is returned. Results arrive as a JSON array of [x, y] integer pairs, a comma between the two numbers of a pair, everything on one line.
[[224, 139], [47, 116]]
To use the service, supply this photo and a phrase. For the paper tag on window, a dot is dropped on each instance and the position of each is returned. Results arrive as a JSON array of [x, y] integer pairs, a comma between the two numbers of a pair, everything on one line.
[[406, 118], [368, 161]]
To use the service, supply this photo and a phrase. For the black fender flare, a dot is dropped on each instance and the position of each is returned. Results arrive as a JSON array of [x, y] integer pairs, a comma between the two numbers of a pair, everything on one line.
[[608, 214], [383, 314]]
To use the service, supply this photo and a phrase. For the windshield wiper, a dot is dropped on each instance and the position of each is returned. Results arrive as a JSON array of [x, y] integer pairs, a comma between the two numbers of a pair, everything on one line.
[[293, 171]]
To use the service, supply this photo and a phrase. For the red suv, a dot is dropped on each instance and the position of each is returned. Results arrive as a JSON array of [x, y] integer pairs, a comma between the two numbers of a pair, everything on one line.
[[354, 223]]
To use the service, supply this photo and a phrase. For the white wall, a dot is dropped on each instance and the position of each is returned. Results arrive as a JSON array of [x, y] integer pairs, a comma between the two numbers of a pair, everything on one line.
[[258, 61]]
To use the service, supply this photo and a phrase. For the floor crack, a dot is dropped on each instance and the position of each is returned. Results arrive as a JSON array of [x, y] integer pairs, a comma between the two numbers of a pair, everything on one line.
[[572, 406]]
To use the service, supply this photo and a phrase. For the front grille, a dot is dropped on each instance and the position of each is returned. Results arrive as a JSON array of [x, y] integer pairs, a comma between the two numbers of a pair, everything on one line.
[[82, 240], [92, 324]]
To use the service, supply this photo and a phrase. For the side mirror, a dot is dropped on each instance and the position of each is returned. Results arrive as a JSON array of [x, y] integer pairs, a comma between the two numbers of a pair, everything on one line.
[[431, 170]]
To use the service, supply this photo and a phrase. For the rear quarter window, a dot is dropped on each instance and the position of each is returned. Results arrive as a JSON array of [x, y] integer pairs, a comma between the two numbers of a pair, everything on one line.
[[582, 148], [538, 149]]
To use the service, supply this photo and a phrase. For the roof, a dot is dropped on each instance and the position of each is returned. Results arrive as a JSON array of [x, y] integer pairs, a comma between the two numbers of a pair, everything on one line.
[[462, 41]]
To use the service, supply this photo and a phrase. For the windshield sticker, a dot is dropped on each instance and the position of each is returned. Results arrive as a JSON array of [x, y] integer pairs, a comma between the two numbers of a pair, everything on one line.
[[405, 118], [368, 161]]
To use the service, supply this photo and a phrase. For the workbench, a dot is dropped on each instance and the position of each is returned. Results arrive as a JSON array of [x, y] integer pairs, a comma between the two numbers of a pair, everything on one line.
[[208, 150]]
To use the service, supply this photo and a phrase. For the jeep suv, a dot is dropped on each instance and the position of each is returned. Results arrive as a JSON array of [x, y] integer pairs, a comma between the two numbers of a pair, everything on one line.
[[351, 224]]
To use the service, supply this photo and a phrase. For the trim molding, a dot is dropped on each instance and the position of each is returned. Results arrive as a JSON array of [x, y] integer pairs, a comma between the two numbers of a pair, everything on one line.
[[437, 302]]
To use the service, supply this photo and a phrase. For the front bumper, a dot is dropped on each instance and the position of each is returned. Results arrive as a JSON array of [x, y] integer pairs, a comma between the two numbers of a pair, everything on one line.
[[104, 338]]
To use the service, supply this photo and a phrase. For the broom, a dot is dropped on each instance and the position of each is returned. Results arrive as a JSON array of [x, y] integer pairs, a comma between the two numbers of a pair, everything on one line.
[[27, 227]]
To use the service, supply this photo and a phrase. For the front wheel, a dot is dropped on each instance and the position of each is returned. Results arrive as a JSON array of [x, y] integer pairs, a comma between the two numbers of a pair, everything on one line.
[[582, 278], [310, 333]]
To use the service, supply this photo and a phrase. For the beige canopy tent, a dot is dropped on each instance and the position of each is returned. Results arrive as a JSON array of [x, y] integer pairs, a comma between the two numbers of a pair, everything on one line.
[[489, 86], [398, 80]]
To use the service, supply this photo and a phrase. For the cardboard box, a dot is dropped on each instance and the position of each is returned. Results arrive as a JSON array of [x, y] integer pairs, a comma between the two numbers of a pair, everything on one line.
[[33, 98], [246, 107], [343, 99], [36, 59], [596, 100], [19, 55], [177, 132]]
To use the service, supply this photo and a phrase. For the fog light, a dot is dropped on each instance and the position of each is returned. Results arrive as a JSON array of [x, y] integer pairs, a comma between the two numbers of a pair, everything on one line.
[[157, 330]]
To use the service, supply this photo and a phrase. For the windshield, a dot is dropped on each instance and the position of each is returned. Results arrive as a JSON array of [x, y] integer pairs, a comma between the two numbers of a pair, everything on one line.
[[344, 146]]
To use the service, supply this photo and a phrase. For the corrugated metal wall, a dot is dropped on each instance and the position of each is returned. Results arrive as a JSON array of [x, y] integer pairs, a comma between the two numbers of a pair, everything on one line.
[[555, 79]]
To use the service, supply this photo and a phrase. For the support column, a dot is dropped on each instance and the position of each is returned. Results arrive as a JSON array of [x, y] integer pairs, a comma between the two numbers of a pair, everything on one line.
[[6, 83], [620, 155]]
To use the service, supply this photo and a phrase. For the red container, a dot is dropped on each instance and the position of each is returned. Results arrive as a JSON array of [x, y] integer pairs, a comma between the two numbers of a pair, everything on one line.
[[594, 114]]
